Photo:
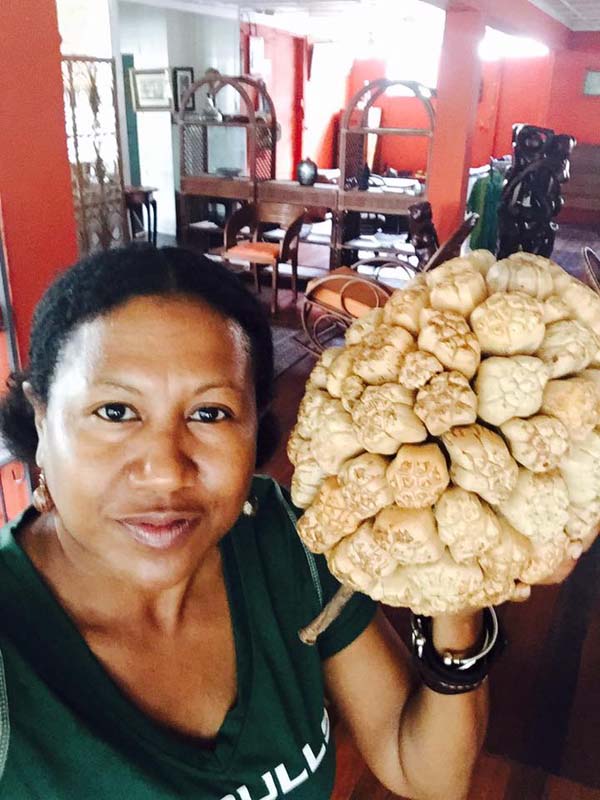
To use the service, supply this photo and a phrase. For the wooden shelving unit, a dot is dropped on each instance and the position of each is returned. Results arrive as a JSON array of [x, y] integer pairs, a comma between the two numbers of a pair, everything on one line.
[[354, 132], [199, 187]]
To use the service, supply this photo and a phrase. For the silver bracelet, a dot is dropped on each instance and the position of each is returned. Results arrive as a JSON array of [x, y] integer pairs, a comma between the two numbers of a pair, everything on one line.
[[491, 629]]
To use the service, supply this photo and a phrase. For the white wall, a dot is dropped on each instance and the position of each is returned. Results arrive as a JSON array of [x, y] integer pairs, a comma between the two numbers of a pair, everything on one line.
[[159, 37], [143, 32], [84, 27]]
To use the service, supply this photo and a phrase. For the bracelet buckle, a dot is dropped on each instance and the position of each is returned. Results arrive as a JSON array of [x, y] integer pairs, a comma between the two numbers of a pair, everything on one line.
[[450, 673]]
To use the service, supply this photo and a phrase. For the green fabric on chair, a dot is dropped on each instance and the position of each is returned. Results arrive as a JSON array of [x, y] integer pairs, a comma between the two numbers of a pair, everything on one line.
[[484, 200]]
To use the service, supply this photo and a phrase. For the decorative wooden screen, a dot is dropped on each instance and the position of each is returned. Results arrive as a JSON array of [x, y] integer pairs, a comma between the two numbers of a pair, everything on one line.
[[94, 152]]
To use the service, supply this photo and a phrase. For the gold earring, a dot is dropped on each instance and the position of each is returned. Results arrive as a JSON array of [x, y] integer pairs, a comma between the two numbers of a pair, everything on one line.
[[42, 499], [250, 507]]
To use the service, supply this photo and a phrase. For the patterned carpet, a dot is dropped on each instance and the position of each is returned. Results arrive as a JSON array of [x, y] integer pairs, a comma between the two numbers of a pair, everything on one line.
[[287, 343]]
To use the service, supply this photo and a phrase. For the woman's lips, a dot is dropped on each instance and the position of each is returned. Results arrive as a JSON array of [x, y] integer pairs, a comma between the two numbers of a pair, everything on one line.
[[160, 535]]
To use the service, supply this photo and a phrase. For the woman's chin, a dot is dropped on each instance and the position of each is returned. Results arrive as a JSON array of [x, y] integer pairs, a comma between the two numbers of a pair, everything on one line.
[[155, 560]]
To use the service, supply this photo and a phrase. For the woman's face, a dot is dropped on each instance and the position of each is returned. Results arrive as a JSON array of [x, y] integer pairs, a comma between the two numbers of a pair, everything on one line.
[[148, 438]]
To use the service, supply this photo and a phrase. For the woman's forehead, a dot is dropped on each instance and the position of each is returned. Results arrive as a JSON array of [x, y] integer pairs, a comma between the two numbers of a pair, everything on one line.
[[158, 336]]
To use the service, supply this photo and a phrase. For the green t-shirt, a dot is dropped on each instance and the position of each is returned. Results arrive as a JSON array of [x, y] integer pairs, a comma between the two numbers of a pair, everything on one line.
[[67, 732]]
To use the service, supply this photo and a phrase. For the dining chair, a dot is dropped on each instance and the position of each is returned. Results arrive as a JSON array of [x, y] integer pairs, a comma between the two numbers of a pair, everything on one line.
[[451, 247], [257, 218]]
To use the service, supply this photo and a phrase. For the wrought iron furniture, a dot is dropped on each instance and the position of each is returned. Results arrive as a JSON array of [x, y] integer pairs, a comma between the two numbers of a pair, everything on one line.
[[334, 301], [136, 199], [318, 201], [531, 197], [259, 253], [451, 247]]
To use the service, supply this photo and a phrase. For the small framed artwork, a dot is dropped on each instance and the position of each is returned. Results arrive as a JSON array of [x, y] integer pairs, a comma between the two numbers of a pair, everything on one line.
[[591, 85], [151, 89], [183, 77]]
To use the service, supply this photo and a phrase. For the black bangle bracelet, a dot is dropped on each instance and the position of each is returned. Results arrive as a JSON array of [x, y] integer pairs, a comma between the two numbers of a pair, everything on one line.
[[449, 674]]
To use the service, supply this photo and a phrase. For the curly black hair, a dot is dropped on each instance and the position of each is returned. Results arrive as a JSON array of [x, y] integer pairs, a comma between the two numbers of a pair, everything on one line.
[[97, 285]]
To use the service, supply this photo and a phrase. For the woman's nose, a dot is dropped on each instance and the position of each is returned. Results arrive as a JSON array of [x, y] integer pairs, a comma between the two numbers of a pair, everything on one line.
[[164, 461]]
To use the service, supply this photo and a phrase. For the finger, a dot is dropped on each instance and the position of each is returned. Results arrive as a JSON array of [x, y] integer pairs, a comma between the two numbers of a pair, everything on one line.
[[521, 592], [575, 549]]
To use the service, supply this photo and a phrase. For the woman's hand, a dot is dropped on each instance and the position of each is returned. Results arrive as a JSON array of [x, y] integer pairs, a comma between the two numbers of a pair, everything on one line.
[[574, 551]]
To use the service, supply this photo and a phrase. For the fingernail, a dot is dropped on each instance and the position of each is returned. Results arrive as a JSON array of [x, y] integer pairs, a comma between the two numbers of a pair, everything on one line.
[[575, 549]]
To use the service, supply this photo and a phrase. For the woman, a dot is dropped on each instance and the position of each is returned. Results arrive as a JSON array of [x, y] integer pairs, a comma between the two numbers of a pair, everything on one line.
[[151, 601]]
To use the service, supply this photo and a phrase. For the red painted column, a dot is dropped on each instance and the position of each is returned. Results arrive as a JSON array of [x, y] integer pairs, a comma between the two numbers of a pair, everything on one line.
[[456, 111], [35, 184]]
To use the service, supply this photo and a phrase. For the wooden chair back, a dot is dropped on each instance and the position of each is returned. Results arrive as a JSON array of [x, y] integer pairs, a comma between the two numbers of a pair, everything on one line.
[[281, 213], [451, 247]]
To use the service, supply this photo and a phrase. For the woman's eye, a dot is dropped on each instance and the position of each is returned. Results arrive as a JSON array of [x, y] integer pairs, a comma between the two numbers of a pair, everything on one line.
[[210, 414], [115, 412]]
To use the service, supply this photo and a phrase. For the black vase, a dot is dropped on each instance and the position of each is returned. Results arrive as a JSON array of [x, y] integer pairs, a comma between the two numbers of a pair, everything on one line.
[[306, 172]]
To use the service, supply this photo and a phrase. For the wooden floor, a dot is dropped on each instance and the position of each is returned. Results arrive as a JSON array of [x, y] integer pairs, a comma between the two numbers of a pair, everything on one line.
[[544, 735]]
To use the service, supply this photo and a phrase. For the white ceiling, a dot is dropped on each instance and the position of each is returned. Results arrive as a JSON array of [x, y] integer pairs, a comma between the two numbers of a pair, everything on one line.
[[321, 20], [579, 15]]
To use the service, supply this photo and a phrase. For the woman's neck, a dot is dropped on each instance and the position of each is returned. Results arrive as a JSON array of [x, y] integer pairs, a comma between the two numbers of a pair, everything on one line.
[[97, 599]]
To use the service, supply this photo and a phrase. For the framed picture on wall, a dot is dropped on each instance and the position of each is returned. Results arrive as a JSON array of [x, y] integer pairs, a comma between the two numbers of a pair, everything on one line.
[[183, 77], [151, 89], [591, 84]]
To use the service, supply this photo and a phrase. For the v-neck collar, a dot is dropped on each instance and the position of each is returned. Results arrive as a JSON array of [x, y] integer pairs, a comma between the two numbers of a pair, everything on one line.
[[58, 651]]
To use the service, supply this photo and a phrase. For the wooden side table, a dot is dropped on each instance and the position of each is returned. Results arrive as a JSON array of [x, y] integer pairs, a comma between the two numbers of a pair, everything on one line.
[[136, 199]]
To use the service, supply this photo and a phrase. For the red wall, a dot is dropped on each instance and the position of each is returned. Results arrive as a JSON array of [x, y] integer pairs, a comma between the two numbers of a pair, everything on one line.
[[35, 184], [524, 97], [36, 213], [570, 110], [325, 97], [542, 91], [285, 85], [487, 112], [400, 152]]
